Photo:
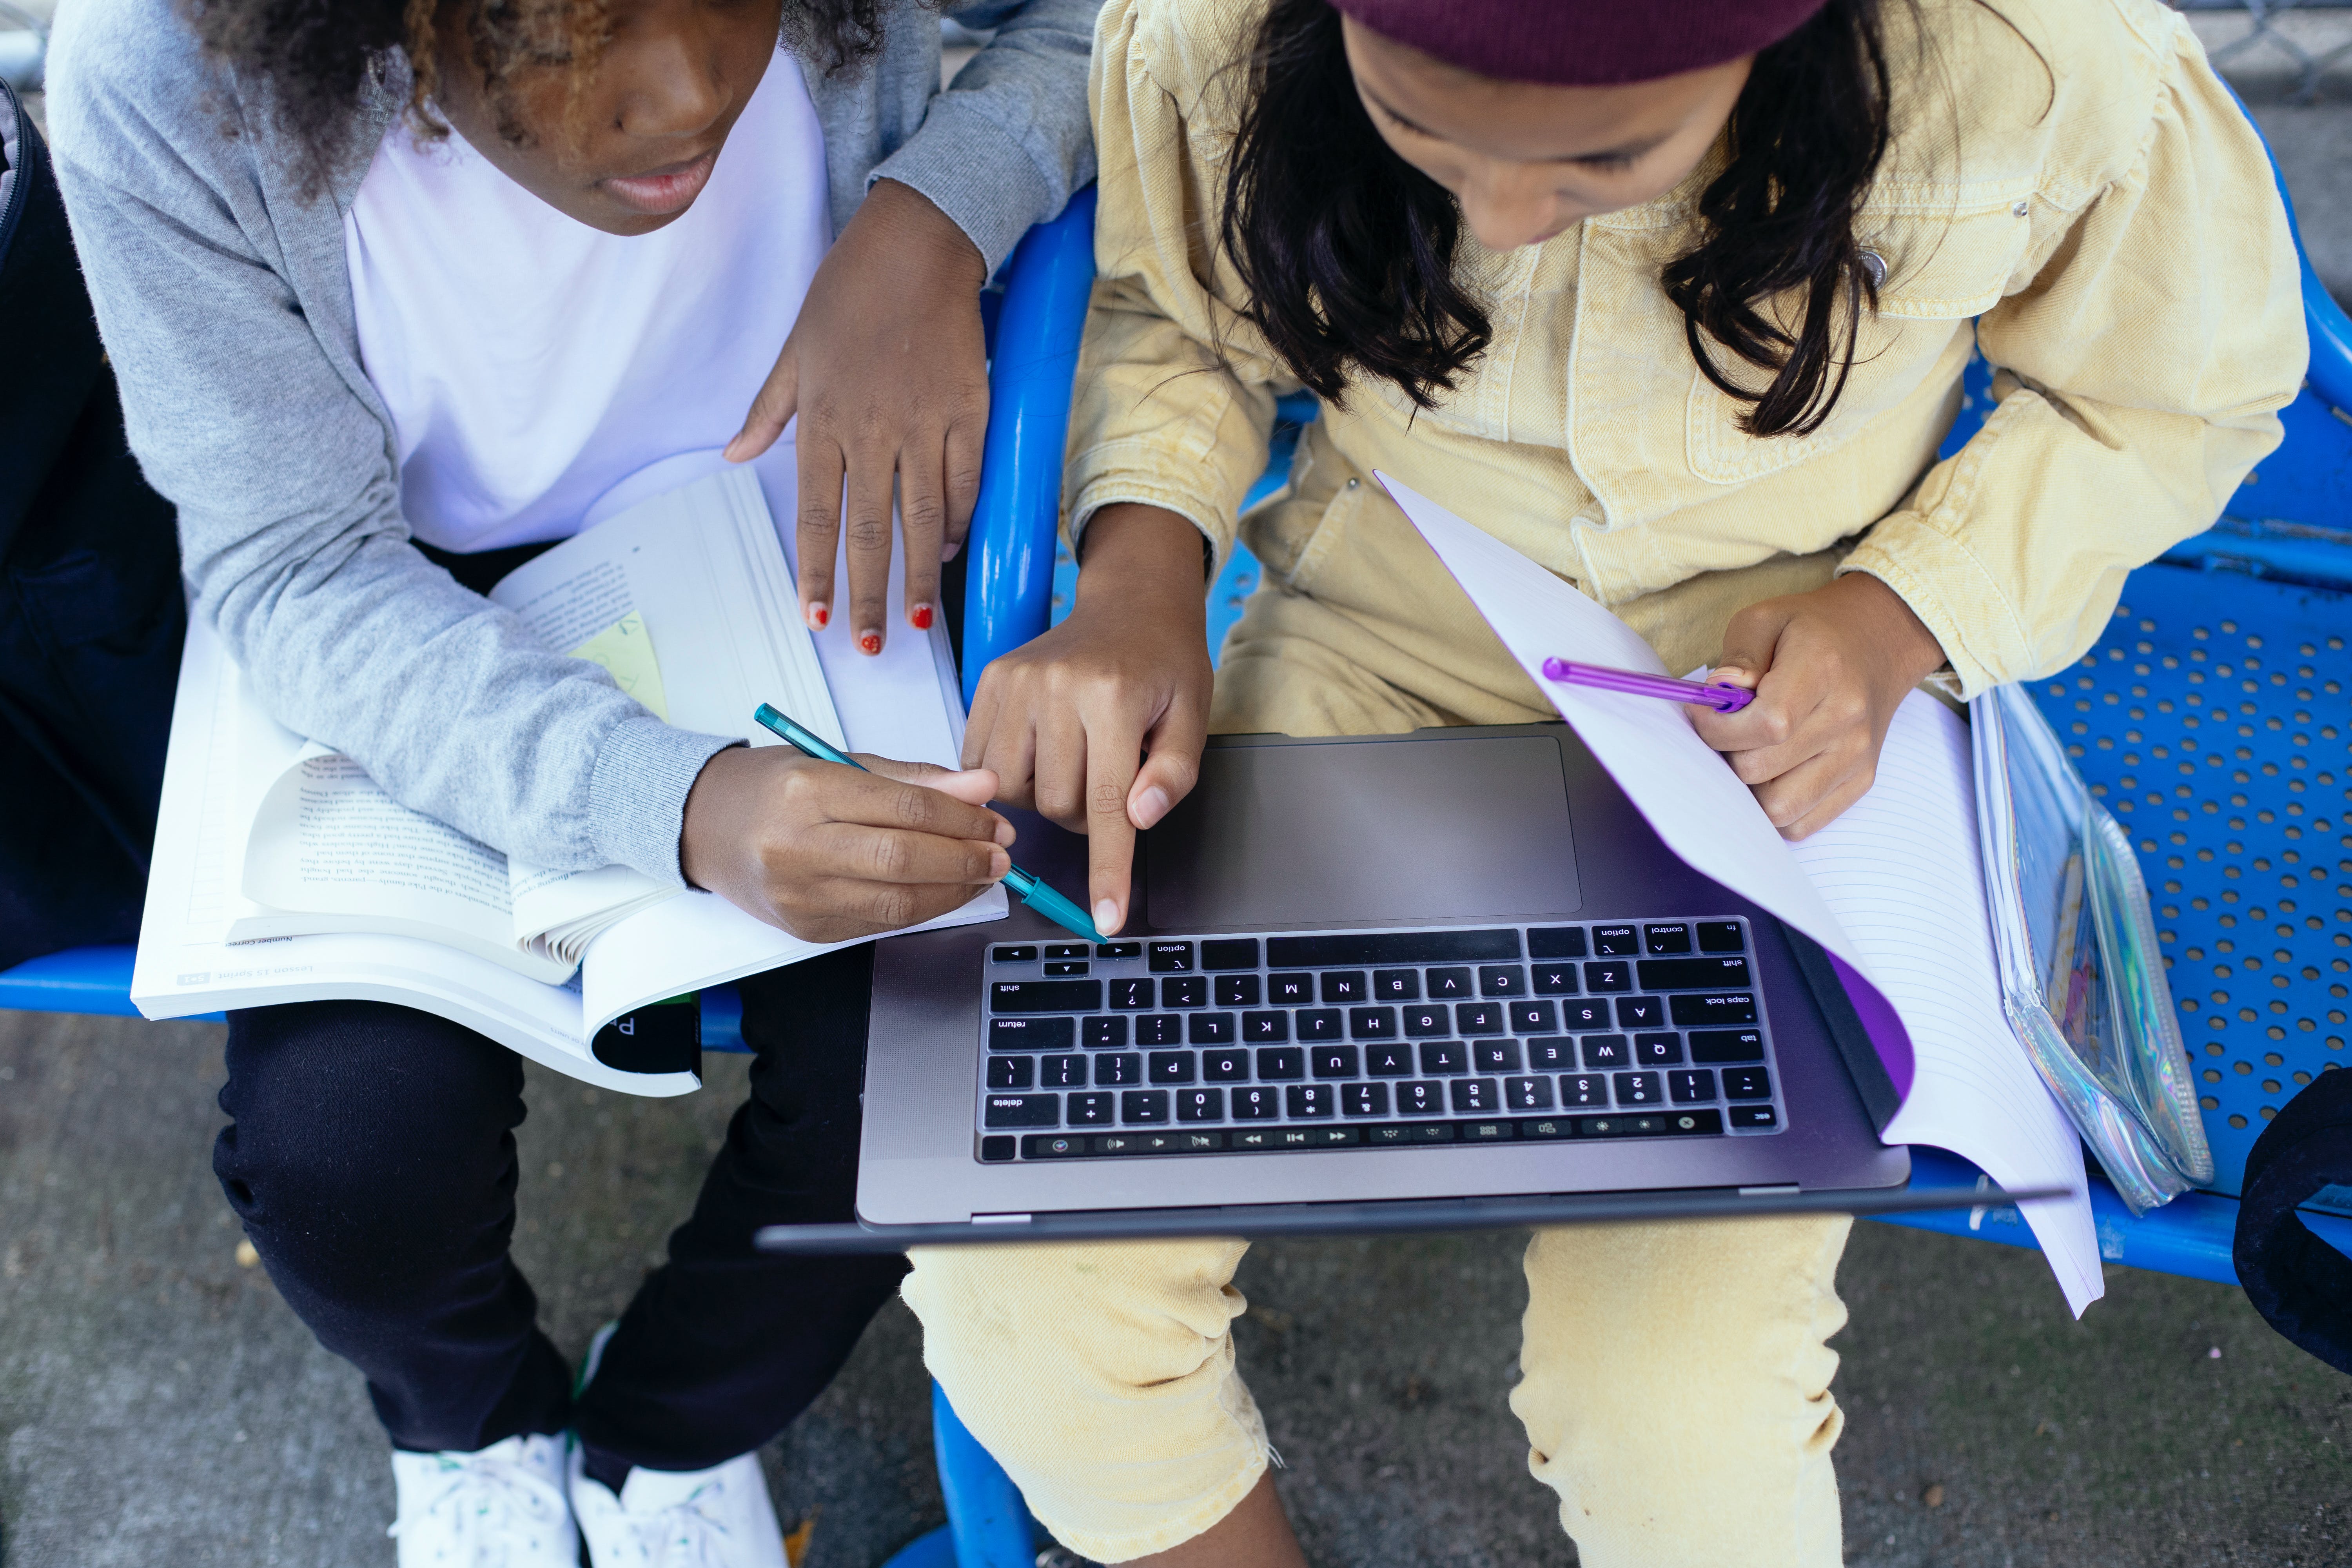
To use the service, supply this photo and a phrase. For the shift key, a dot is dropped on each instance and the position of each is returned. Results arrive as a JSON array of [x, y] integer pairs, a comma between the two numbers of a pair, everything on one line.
[[1045, 997], [1691, 973]]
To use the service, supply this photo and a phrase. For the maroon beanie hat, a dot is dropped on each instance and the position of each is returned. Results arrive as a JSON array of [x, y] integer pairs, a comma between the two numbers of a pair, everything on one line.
[[1582, 43]]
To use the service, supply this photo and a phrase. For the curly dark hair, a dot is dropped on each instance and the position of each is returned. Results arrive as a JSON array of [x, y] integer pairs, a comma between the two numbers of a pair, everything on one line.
[[319, 58]]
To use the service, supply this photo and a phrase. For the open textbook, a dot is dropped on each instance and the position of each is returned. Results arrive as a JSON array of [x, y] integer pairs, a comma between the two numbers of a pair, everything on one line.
[[283, 873], [1894, 890]]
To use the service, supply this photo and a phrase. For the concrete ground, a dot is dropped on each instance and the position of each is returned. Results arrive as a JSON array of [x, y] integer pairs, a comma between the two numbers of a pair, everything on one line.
[[159, 1403]]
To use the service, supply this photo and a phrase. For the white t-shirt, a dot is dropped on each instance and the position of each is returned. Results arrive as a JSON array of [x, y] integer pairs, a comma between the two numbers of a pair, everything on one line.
[[542, 375]]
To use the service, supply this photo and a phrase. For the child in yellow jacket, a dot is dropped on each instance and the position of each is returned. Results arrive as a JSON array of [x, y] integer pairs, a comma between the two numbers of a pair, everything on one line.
[[1676, 300]]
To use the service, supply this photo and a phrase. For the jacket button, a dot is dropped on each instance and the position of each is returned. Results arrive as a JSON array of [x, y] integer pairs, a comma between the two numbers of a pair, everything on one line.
[[2021, 209], [1875, 265], [1355, 484]]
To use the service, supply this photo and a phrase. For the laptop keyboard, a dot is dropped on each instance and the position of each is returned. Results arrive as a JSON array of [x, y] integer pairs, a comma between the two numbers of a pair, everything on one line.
[[1374, 1039]]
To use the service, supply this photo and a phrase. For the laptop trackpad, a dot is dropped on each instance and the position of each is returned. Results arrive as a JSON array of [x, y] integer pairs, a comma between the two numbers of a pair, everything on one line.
[[1376, 832]]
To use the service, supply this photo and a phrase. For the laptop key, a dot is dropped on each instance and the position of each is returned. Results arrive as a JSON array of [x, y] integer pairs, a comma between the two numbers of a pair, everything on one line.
[[1013, 954], [1045, 997], [1664, 938], [1364, 1098], [1066, 968], [1160, 1029], [1332, 1061], [1171, 957], [1608, 974], [1579, 1091], [1533, 1017], [1290, 990], [1657, 1050], [1319, 1023], [1714, 1007], [1023, 1110], [1721, 1045], [1502, 979], [1307, 1102], [1236, 989], [1225, 1067], [1753, 1116], [1420, 1099], [1132, 995], [1396, 984], [1422, 1022], [1607, 1051], [1211, 1029], [1746, 1083], [1553, 1054], [1389, 1061], [1445, 985], [1555, 980], [1143, 1107], [1690, 1086], [1200, 1105], [1443, 1057], [1031, 1034], [1720, 936], [1575, 1017], [1265, 1028], [1280, 1063], [1692, 974], [1117, 1070], [1012, 1072], [1640, 1012], [1371, 1022], [1478, 1017], [1345, 985], [1528, 1093], [1169, 1067], [1636, 1088], [1615, 941], [1495, 1056], [1258, 1104], [1104, 1033], [1556, 942], [1475, 1097], [1184, 991], [1090, 1109], [1118, 950], [1064, 1072], [1238, 953]]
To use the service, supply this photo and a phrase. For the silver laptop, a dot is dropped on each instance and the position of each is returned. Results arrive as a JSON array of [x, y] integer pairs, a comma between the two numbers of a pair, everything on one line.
[[1444, 980]]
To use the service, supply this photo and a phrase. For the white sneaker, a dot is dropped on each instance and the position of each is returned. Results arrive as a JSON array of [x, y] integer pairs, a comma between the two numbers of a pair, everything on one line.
[[718, 1518], [502, 1507]]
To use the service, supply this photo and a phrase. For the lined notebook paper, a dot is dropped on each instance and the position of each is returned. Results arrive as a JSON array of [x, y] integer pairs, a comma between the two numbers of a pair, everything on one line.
[[1894, 890]]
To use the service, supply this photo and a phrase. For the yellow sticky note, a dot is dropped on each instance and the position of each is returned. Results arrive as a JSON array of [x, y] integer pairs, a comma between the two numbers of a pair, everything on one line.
[[627, 655]]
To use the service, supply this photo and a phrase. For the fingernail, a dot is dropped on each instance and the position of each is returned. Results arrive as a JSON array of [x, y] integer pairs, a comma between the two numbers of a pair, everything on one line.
[[1004, 833], [921, 616], [1151, 806], [870, 642], [818, 616], [1106, 916], [999, 862]]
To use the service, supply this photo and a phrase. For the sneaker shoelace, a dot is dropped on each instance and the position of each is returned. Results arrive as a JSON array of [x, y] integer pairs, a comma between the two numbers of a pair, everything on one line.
[[690, 1533], [483, 1500]]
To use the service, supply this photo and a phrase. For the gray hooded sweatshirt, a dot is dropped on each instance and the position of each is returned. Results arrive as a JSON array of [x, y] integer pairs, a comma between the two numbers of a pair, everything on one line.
[[225, 306]]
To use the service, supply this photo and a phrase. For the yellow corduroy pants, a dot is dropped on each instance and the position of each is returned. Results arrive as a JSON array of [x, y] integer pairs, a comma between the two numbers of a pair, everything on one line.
[[1674, 1377]]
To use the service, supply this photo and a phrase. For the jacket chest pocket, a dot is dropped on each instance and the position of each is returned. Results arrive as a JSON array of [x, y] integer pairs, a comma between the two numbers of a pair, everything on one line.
[[1941, 268]]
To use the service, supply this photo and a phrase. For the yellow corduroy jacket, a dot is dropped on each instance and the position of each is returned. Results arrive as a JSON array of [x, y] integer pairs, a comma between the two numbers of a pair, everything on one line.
[[2069, 187]]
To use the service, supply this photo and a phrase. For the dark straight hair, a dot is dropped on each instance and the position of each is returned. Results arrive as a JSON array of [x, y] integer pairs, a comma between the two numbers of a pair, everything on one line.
[[1348, 251]]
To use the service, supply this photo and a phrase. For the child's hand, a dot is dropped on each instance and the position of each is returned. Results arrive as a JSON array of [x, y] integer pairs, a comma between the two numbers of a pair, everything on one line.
[[830, 854], [886, 369], [1828, 668], [1065, 720]]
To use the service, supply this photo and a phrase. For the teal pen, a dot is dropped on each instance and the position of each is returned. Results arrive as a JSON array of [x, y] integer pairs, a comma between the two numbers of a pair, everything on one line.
[[1028, 884]]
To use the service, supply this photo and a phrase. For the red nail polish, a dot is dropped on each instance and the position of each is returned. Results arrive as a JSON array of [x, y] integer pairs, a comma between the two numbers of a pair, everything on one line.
[[921, 616], [870, 642], [819, 616]]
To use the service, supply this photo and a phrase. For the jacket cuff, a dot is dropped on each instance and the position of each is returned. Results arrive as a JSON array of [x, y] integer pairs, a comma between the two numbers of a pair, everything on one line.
[[1115, 489], [1953, 595], [977, 173], [636, 794]]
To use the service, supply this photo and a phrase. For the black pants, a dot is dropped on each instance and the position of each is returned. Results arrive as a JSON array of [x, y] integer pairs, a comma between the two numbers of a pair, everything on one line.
[[371, 1157]]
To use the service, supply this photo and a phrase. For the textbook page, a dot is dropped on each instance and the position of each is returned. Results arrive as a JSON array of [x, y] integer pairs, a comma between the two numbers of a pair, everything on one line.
[[1957, 1057], [185, 966], [704, 567]]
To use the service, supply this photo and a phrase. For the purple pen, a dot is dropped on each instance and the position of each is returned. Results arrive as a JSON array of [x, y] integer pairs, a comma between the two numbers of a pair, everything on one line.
[[1601, 677]]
